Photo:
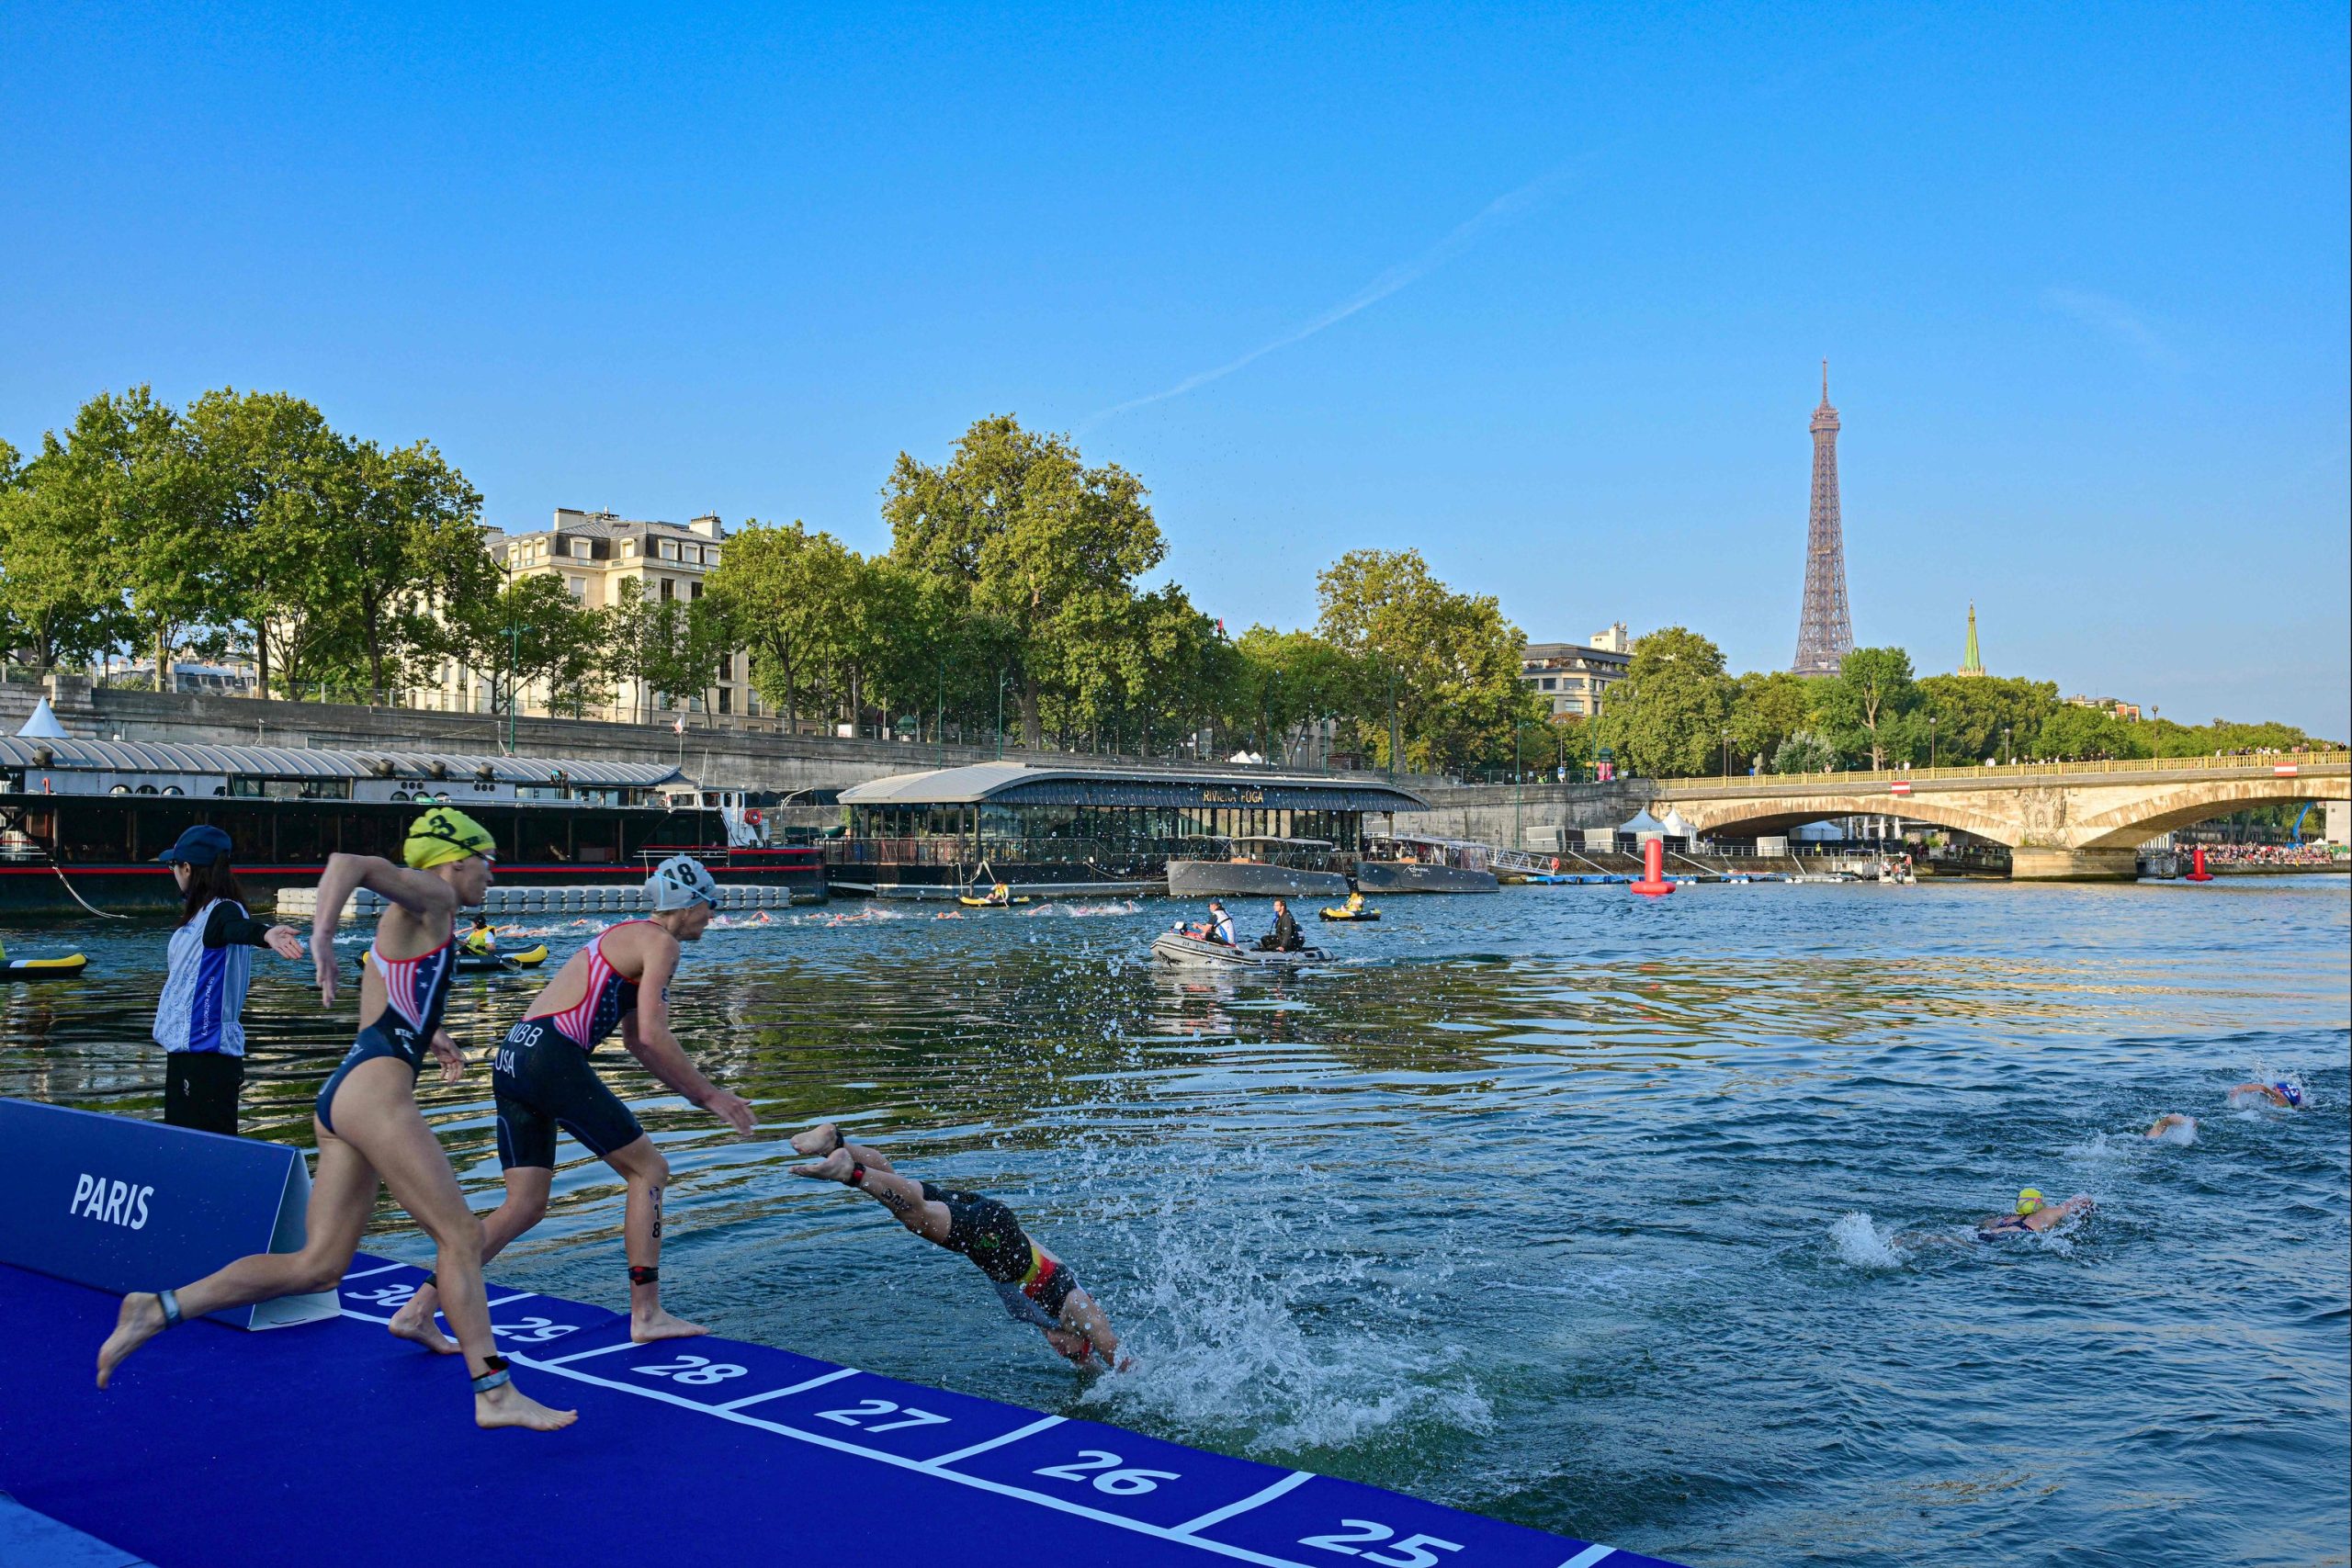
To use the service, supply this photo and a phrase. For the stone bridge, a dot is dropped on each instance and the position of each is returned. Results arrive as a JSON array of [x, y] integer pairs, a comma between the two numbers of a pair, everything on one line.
[[2057, 819]]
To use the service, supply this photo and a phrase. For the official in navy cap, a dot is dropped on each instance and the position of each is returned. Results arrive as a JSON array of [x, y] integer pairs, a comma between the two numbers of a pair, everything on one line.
[[199, 1019]]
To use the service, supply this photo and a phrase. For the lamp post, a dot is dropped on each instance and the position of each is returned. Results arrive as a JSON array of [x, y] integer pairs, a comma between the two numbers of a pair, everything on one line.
[[1931, 743], [1726, 754], [512, 656], [1392, 723], [2009, 745], [1000, 716]]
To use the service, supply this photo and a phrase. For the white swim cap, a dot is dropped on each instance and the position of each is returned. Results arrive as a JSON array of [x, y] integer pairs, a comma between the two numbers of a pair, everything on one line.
[[678, 881]]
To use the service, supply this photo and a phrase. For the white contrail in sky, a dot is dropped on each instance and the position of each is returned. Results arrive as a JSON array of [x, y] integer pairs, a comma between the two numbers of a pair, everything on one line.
[[1504, 207]]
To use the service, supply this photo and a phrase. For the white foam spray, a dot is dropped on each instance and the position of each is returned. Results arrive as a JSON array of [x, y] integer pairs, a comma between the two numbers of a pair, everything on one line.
[[1861, 1245]]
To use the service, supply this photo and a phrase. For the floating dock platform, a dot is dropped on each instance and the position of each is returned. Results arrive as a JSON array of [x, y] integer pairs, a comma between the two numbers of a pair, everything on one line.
[[331, 1443], [622, 899]]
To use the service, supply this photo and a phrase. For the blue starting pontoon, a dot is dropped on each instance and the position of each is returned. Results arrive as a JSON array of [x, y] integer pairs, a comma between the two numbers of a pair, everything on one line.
[[333, 1442]]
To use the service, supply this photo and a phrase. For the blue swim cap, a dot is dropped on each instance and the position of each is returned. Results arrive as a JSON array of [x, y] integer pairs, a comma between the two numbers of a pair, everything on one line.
[[2294, 1096]]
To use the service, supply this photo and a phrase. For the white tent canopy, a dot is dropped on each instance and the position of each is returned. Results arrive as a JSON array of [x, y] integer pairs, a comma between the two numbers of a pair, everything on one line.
[[42, 725], [1643, 823], [1677, 826]]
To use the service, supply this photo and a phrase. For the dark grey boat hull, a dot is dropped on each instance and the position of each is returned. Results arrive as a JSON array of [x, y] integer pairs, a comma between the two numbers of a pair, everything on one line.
[[1227, 879], [1391, 876]]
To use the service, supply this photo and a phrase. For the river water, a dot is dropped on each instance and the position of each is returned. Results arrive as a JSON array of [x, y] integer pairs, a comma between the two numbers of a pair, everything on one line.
[[1630, 1220]]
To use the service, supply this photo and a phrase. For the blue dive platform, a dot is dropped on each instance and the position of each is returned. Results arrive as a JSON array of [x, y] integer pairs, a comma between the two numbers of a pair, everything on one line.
[[333, 1442]]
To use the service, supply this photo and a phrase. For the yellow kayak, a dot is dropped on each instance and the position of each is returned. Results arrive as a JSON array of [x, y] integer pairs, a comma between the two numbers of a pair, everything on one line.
[[971, 903], [1359, 915], [44, 968], [523, 958]]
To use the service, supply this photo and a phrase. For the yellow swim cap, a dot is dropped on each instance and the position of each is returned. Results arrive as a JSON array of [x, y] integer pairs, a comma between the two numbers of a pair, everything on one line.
[[2028, 1199], [445, 834]]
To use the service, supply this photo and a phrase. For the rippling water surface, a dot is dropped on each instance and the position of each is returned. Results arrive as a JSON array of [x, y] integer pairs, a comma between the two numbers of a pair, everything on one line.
[[1628, 1220]]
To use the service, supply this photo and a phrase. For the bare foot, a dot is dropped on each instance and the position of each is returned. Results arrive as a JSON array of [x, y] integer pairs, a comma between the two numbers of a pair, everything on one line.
[[414, 1323], [834, 1167], [507, 1405], [823, 1138], [141, 1319], [646, 1327]]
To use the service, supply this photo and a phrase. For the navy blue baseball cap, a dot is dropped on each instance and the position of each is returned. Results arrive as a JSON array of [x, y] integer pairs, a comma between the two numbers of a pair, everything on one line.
[[198, 846]]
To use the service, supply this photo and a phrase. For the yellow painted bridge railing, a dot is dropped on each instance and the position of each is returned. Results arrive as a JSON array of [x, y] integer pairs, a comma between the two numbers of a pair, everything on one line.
[[2281, 764]]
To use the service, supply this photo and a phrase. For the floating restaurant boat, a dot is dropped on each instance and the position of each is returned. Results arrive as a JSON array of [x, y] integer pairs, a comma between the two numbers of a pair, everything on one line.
[[82, 821], [1192, 952], [1198, 834], [1416, 863]]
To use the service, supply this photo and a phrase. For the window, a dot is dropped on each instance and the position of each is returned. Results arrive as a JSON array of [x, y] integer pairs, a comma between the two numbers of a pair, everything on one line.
[[710, 555], [690, 553], [628, 548], [694, 588], [669, 550], [581, 549], [1549, 683], [579, 586], [669, 590], [725, 700]]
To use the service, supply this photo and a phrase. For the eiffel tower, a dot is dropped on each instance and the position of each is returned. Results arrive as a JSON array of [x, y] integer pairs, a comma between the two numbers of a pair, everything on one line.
[[1826, 631]]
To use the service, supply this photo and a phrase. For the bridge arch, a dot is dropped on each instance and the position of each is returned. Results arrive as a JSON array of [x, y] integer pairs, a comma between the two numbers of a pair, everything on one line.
[[2163, 811], [1778, 815]]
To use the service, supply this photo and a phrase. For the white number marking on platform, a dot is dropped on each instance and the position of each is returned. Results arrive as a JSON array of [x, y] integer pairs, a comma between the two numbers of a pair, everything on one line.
[[1417, 1548], [865, 1410], [1116, 1482], [533, 1330], [384, 1295], [697, 1370]]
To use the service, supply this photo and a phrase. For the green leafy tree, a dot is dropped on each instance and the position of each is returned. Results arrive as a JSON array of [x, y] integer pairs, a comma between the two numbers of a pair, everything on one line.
[[269, 467], [57, 601], [1034, 539], [534, 633], [1805, 751], [1448, 662], [1976, 715], [1666, 718], [1766, 709], [2076, 734], [1287, 680], [1872, 705], [411, 532], [783, 590]]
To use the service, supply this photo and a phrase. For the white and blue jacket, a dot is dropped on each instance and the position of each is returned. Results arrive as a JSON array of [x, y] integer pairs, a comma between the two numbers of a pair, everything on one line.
[[211, 960]]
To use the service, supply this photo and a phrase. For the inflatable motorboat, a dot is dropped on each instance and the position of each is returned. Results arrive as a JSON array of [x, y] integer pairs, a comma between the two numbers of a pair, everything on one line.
[[43, 968], [1192, 952], [971, 903], [1359, 915]]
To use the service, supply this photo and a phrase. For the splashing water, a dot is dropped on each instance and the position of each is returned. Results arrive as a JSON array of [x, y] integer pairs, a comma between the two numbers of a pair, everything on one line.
[[1861, 1245]]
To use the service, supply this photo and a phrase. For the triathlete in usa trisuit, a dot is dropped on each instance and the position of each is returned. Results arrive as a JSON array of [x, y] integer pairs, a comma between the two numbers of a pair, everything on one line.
[[544, 1081], [369, 1127]]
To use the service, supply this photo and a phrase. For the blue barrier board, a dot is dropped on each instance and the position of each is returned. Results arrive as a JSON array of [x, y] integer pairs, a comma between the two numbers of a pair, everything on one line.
[[130, 1205], [336, 1442]]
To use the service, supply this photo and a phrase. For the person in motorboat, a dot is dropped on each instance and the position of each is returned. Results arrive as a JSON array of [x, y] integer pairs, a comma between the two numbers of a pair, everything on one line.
[[2034, 1212], [1035, 1286], [1284, 937], [1217, 928]]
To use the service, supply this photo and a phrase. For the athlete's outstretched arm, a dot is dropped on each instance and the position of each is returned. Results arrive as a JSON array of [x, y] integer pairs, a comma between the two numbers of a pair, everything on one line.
[[419, 893], [646, 1036]]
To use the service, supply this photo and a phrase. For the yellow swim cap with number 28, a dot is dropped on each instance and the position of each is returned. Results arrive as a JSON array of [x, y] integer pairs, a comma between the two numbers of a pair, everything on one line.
[[445, 834]]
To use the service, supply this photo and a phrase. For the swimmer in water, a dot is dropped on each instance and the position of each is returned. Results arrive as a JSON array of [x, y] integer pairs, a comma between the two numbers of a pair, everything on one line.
[[2283, 1094], [2165, 1125], [2032, 1213], [544, 1081], [368, 1128], [1035, 1286]]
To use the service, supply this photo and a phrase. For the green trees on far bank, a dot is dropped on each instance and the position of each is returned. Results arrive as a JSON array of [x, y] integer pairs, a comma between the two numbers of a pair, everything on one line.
[[1678, 714]]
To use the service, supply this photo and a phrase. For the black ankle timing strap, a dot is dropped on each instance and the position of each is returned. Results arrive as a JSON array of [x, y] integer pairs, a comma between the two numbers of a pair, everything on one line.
[[494, 1374], [170, 1302], [638, 1275]]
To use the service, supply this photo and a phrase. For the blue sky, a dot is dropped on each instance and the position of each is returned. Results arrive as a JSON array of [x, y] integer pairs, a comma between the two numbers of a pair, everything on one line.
[[1540, 292]]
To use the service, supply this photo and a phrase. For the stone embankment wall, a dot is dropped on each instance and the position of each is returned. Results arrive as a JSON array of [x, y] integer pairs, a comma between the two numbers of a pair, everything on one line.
[[731, 757], [1486, 812]]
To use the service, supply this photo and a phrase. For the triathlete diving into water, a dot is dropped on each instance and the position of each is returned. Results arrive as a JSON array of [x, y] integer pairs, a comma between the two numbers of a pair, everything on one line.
[[544, 1081], [369, 1127], [1035, 1286]]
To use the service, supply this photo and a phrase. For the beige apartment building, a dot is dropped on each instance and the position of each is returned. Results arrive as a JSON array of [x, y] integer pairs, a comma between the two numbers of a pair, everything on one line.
[[1571, 677], [596, 553]]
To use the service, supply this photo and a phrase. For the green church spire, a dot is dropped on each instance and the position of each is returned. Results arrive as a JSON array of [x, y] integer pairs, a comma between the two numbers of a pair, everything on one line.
[[1970, 663]]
